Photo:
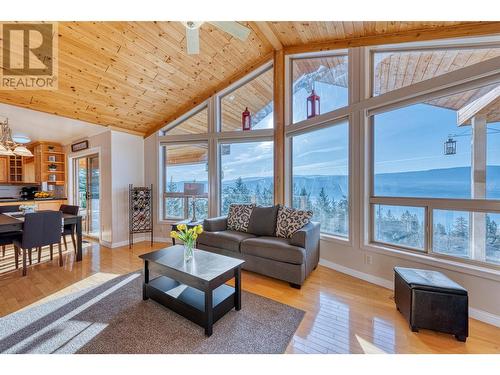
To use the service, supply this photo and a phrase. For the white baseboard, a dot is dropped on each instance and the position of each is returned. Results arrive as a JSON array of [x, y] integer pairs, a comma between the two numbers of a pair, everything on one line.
[[358, 274], [474, 313], [137, 239], [484, 316]]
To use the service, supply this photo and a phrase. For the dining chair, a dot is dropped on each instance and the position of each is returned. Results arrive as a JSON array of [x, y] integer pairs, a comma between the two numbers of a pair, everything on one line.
[[6, 238], [40, 229], [69, 228]]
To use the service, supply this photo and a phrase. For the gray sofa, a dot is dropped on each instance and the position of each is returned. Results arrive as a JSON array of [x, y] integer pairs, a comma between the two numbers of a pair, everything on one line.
[[289, 259]]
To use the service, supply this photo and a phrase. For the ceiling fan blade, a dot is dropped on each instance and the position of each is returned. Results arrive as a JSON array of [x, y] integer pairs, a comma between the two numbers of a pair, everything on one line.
[[193, 41], [234, 28]]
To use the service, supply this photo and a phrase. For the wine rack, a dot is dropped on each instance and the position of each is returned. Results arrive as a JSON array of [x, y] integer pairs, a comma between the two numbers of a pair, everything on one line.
[[140, 211]]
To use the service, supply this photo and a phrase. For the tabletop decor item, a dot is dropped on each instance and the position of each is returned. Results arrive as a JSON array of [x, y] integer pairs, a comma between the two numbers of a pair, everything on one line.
[[188, 236], [140, 211], [27, 208]]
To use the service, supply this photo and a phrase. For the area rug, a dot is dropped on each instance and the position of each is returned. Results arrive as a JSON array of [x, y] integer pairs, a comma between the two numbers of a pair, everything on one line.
[[113, 318]]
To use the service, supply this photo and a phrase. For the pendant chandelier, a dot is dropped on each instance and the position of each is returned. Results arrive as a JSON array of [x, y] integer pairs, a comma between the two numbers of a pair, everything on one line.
[[7, 145]]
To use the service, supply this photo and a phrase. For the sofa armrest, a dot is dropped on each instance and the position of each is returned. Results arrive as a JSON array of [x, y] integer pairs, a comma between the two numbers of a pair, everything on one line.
[[307, 236], [215, 224]]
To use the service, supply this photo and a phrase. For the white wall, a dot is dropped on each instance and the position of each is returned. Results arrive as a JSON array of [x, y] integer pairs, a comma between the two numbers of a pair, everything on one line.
[[121, 158], [127, 167]]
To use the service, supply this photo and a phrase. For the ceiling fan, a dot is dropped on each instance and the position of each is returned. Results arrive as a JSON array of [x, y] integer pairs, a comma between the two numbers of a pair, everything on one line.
[[193, 32]]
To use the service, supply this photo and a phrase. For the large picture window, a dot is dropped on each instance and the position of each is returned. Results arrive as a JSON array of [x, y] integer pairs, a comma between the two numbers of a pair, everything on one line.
[[256, 96], [442, 154], [246, 173], [327, 76], [320, 168], [185, 180], [425, 150]]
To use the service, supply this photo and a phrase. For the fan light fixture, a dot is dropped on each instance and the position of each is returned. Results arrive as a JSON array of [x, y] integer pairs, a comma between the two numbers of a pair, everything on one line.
[[8, 147], [233, 28]]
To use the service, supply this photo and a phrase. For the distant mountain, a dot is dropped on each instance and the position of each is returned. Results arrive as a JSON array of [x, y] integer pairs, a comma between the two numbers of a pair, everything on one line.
[[435, 183]]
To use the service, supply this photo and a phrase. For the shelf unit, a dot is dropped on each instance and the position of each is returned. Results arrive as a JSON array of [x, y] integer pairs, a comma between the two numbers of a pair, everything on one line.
[[15, 169], [50, 162]]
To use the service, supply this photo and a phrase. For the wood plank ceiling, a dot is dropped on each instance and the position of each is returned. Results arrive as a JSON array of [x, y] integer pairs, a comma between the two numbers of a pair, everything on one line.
[[137, 76]]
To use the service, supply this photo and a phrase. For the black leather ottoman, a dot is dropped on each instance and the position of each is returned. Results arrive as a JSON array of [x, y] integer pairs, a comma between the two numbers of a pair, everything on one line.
[[430, 300]]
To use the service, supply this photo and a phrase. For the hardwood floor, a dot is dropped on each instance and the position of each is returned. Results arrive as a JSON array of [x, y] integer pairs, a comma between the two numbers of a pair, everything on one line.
[[343, 314]]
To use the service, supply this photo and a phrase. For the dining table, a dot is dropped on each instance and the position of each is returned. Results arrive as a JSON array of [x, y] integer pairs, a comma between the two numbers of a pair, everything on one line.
[[14, 221]]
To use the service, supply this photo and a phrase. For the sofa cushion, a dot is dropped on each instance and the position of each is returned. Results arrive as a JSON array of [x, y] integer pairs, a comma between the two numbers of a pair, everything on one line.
[[263, 221], [290, 220], [226, 239], [274, 248], [238, 217]]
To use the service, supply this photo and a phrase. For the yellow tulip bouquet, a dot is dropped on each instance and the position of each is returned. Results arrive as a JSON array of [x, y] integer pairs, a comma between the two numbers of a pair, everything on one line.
[[188, 237]]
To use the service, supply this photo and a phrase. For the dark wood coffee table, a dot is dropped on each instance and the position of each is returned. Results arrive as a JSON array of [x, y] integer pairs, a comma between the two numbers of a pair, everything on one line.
[[194, 289]]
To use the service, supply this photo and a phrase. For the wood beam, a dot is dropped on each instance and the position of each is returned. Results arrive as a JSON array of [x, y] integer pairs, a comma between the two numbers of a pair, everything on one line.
[[466, 113], [268, 34], [453, 31], [210, 92], [279, 126]]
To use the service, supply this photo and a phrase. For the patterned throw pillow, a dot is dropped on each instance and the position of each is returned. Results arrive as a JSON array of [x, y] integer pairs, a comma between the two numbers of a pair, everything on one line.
[[290, 220], [238, 217]]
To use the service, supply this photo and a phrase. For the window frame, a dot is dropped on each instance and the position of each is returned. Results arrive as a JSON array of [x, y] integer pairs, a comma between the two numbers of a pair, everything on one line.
[[289, 75], [163, 195], [359, 111], [233, 87], [297, 131], [429, 204], [228, 140]]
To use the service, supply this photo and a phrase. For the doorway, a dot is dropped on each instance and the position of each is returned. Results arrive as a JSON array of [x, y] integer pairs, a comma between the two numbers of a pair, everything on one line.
[[86, 193]]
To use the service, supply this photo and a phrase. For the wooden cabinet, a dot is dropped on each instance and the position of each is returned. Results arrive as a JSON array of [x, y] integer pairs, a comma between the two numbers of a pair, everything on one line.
[[4, 169], [53, 205], [49, 163], [15, 169]]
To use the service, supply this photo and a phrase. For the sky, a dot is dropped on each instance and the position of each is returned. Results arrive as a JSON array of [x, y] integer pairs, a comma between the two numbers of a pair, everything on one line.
[[406, 139]]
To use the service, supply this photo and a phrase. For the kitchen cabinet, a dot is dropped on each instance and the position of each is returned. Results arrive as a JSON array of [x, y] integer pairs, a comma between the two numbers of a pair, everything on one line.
[[49, 162], [4, 169], [49, 204]]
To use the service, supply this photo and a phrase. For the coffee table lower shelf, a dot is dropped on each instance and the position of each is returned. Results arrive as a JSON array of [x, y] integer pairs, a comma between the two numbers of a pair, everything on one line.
[[190, 302]]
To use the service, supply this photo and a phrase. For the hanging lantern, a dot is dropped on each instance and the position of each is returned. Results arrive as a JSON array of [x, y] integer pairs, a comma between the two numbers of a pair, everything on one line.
[[246, 119], [313, 108], [450, 146]]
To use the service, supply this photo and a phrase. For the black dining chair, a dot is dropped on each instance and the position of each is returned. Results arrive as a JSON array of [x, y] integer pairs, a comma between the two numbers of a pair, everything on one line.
[[69, 228], [40, 229], [7, 238]]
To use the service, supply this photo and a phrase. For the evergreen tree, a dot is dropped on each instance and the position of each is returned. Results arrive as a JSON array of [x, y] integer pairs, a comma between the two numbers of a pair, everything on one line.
[[491, 230], [239, 193], [324, 209], [174, 205], [460, 227], [304, 200]]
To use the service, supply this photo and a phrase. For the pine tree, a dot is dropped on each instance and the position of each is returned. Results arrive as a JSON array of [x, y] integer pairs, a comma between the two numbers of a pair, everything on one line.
[[491, 230], [239, 193], [174, 205], [460, 227], [324, 210]]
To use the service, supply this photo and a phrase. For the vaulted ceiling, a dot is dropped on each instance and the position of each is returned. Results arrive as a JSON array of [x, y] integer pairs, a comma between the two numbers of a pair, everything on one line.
[[137, 75]]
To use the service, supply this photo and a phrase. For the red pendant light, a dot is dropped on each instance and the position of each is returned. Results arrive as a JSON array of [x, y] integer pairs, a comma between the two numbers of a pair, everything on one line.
[[313, 105], [246, 119]]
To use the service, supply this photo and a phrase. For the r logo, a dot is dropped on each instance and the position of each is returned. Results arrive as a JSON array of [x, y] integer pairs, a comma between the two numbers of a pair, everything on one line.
[[27, 49], [29, 56]]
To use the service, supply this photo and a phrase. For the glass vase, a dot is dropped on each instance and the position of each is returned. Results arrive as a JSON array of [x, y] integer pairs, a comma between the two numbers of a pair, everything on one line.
[[188, 251]]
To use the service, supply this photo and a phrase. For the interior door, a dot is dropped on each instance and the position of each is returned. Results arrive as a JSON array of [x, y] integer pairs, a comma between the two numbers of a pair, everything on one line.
[[86, 193]]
